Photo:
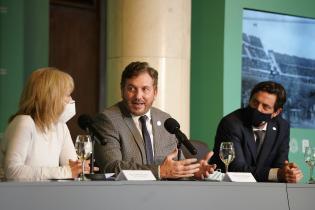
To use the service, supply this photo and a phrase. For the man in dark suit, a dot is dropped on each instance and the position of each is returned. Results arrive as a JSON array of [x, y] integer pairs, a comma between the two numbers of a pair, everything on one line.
[[135, 135], [260, 137]]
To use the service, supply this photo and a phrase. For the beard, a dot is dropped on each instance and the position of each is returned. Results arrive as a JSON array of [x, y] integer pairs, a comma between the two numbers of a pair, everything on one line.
[[138, 107]]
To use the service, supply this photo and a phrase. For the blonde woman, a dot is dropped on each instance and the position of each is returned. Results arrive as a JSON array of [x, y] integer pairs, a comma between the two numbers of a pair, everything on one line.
[[37, 144]]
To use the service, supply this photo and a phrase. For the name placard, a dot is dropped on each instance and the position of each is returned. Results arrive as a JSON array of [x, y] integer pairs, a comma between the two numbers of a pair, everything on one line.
[[135, 175], [239, 177]]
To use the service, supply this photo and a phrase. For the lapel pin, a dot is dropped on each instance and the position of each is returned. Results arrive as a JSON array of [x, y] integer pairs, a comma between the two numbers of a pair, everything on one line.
[[158, 123], [274, 128]]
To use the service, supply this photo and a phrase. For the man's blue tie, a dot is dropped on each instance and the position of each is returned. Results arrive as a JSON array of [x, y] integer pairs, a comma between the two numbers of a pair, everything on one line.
[[147, 140]]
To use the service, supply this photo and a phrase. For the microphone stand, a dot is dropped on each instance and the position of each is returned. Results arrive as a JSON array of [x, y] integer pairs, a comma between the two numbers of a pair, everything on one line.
[[179, 145], [92, 175], [92, 156]]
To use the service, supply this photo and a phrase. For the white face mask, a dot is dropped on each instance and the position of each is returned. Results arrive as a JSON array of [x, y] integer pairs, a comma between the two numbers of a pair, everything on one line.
[[68, 112]]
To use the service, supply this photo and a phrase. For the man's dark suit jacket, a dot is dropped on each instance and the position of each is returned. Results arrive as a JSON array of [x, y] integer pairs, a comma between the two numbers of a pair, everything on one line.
[[124, 149], [236, 128]]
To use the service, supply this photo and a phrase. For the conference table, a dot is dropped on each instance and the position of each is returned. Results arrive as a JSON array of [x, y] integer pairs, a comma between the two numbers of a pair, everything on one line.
[[151, 195]]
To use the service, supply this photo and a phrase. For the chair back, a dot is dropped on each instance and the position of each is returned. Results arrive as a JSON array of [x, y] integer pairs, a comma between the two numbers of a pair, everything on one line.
[[202, 149]]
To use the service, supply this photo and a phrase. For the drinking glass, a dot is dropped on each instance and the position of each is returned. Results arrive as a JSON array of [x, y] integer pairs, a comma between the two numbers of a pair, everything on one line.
[[83, 147], [309, 158], [227, 154]]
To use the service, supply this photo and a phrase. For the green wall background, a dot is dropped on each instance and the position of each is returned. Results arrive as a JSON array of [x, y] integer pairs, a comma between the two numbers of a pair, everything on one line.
[[23, 48], [216, 64], [11, 57]]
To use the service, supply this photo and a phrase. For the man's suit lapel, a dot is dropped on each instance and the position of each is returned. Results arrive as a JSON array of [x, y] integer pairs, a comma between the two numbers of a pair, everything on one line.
[[269, 141], [157, 130], [133, 129], [251, 142], [249, 135]]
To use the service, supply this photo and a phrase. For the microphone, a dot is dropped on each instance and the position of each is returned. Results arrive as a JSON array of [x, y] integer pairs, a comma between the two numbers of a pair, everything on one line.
[[86, 123], [173, 127]]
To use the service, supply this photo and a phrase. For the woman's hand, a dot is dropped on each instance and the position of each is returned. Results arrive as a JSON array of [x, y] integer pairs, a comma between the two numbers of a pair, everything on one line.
[[76, 167]]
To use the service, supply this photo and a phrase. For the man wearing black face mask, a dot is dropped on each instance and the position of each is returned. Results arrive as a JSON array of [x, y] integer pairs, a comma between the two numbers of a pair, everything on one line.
[[260, 137]]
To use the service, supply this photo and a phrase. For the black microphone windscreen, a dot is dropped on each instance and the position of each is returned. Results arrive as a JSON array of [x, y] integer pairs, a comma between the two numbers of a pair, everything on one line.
[[171, 125], [84, 121]]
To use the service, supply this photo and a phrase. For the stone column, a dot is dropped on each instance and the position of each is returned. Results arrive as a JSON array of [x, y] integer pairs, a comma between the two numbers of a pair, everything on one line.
[[157, 32]]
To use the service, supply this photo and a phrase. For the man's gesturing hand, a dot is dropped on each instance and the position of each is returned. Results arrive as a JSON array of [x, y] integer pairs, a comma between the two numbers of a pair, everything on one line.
[[173, 169]]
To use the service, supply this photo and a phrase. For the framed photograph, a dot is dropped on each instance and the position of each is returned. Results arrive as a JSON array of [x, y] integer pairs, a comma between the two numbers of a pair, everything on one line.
[[281, 48]]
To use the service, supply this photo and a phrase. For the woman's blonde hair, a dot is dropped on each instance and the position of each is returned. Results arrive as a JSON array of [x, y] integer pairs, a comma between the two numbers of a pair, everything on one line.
[[43, 96]]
